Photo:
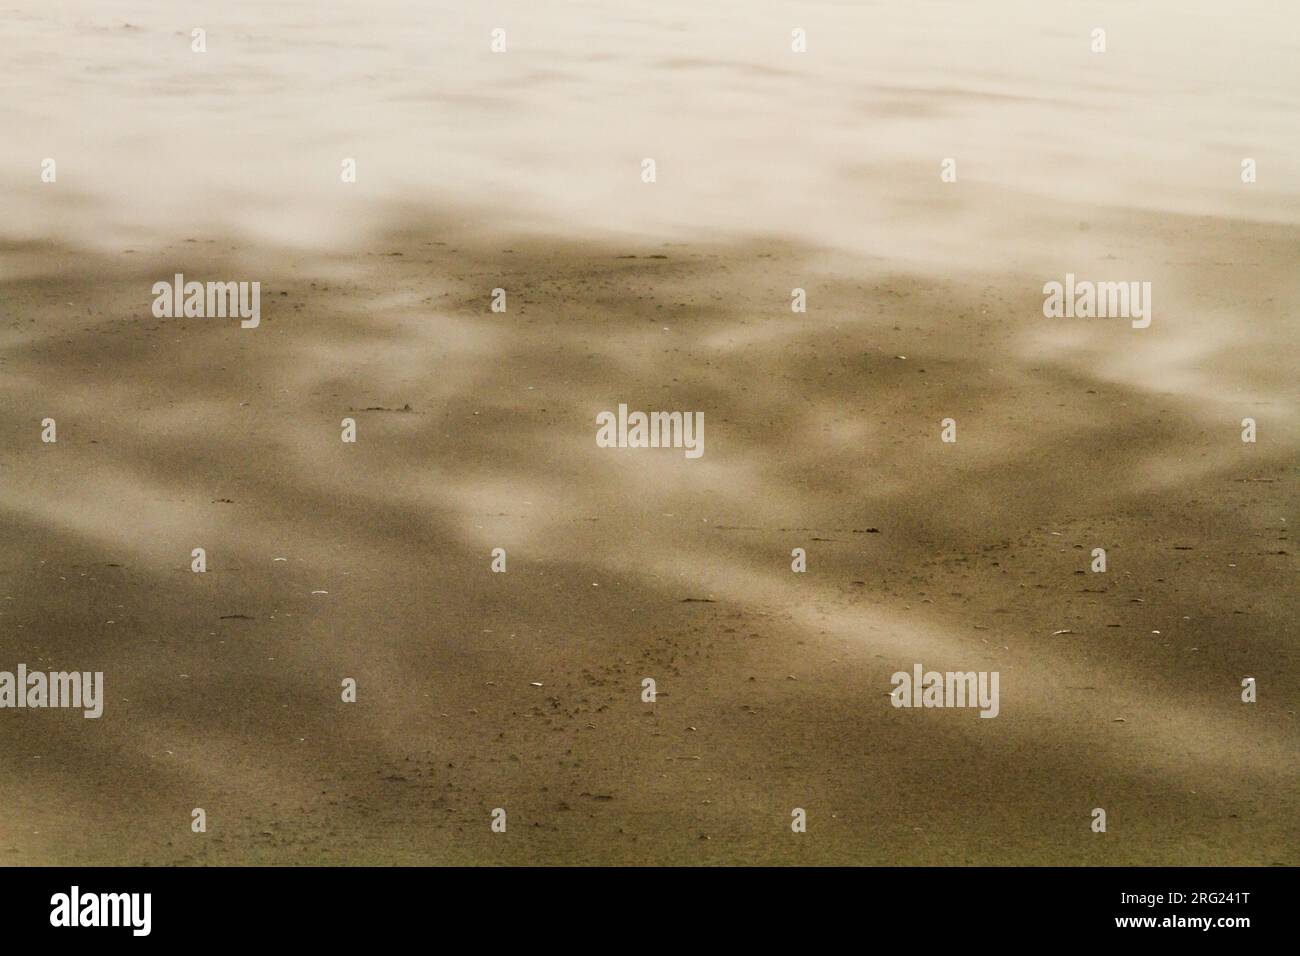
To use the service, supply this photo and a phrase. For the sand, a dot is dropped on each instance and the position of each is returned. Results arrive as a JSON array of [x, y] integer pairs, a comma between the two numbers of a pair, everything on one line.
[[476, 430]]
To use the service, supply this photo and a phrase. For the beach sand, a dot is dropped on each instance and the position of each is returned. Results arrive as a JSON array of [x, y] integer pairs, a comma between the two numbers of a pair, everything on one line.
[[476, 430]]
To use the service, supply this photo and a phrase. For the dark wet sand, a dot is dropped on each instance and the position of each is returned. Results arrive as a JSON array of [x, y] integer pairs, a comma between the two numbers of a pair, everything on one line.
[[223, 688]]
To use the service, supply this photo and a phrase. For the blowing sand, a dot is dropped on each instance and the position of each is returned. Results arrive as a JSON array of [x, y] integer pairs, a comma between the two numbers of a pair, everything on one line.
[[476, 430]]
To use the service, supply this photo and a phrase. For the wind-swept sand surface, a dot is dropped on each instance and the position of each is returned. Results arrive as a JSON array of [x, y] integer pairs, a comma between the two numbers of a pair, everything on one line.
[[476, 430]]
